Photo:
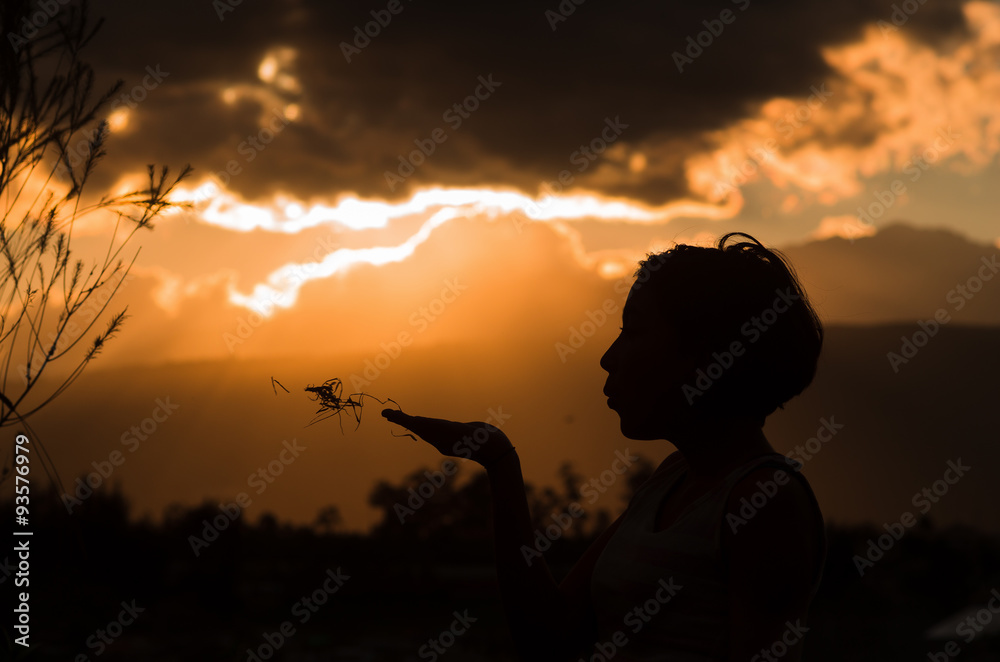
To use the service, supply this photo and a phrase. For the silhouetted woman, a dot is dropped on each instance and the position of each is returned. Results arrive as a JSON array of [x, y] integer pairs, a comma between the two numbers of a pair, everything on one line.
[[721, 550]]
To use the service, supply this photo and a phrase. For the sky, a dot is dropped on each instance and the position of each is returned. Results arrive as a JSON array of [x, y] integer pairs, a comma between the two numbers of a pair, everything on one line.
[[315, 156], [376, 181]]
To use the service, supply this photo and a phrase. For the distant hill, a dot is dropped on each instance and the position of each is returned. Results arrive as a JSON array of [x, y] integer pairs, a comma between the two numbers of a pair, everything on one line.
[[900, 273]]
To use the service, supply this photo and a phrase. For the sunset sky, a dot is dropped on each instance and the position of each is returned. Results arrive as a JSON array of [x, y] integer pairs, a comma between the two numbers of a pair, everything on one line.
[[482, 177]]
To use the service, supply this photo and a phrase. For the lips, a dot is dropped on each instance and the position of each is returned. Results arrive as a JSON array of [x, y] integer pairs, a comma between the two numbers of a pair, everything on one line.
[[609, 392]]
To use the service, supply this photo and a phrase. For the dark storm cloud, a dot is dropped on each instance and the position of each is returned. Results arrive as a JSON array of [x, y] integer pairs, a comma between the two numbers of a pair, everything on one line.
[[557, 86]]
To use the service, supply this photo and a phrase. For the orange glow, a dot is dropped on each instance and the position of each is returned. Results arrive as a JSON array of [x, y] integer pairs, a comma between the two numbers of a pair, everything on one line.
[[118, 120], [268, 69], [886, 80], [438, 205], [283, 284], [274, 69], [223, 209], [847, 226], [637, 162]]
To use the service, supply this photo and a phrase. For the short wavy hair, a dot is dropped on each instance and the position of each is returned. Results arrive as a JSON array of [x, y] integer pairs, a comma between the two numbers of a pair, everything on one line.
[[713, 297]]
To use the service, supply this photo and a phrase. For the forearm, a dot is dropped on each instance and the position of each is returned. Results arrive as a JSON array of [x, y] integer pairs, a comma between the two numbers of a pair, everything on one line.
[[536, 610]]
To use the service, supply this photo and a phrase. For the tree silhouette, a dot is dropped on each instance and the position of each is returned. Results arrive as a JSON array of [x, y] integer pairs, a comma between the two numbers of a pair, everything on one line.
[[47, 105], [328, 520], [419, 508]]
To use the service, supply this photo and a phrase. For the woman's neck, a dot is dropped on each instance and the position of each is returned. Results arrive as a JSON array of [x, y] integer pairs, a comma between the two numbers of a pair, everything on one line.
[[711, 451]]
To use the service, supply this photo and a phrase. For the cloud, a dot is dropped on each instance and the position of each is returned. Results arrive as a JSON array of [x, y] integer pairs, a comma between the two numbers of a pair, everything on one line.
[[556, 89], [431, 208], [847, 226], [894, 105]]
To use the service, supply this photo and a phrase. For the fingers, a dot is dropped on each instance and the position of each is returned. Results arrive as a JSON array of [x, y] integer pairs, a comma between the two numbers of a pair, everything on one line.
[[426, 427], [396, 416], [391, 415]]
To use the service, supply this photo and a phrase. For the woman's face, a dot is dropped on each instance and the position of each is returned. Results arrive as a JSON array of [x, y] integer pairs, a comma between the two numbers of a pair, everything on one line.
[[647, 369]]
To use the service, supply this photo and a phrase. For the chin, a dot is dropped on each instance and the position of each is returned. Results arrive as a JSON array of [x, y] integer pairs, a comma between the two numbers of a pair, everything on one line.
[[661, 426], [639, 430]]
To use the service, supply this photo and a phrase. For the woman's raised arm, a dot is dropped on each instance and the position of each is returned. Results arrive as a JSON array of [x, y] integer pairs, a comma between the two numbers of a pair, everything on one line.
[[544, 623]]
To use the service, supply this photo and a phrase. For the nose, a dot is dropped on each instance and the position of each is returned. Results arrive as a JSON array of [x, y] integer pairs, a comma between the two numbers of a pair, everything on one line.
[[607, 360]]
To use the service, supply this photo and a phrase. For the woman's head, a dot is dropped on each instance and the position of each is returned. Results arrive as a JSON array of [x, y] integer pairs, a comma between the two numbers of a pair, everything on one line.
[[710, 335]]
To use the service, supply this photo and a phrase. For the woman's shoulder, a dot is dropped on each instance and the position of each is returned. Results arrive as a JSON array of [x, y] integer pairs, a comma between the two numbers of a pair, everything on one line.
[[765, 503], [668, 464], [772, 479]]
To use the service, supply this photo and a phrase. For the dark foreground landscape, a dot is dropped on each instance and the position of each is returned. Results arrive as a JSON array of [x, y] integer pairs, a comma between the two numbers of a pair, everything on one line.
[[106, 587]]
